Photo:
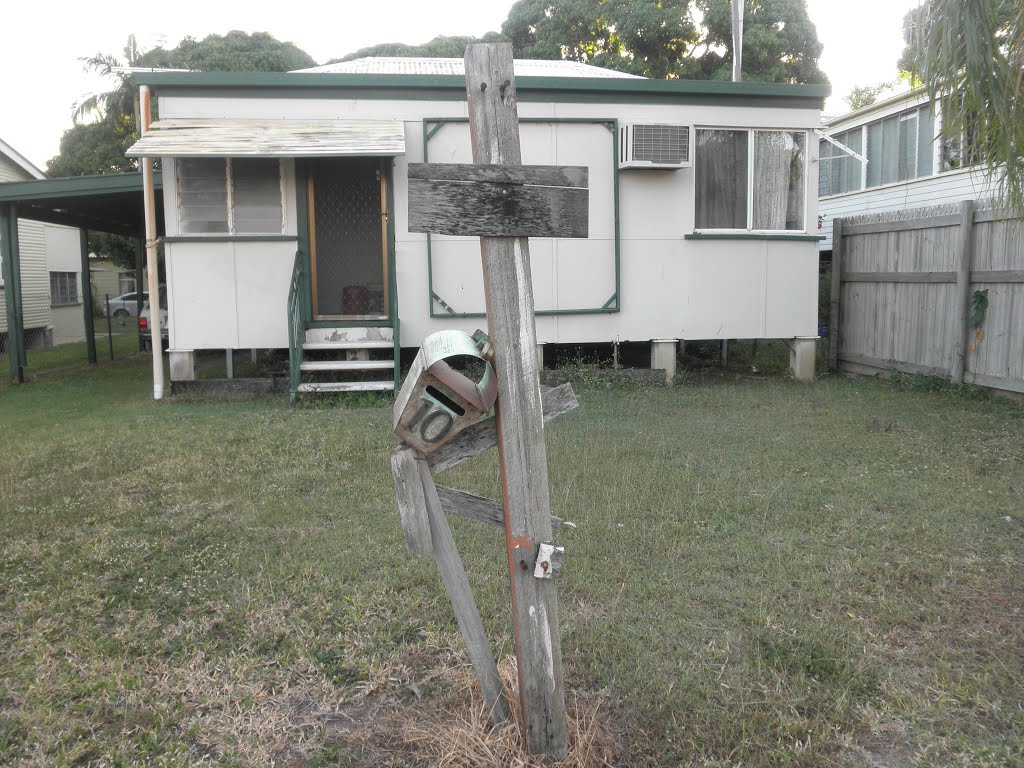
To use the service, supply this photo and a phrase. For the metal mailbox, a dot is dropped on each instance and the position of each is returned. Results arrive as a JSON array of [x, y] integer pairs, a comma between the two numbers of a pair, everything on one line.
[[436, 401]]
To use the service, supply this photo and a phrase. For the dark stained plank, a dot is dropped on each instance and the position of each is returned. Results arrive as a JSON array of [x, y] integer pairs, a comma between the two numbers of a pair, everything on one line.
[[479, 508], [484, 434], [491, 209], [494, 131], [453, 575], [537, 175]]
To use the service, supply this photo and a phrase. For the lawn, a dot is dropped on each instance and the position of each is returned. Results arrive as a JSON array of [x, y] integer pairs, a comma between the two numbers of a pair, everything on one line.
[[762, 573]]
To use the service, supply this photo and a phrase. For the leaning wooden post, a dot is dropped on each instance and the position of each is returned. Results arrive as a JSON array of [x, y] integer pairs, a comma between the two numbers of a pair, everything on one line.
[[494, 128]]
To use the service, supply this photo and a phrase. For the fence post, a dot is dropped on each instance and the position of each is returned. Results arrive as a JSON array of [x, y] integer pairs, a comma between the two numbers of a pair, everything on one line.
[[962, 300], [140, 286], [90, 330], [7, 257], [834, 303]]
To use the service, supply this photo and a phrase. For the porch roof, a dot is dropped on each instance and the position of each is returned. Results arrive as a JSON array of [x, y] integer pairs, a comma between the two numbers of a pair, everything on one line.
[[271, 138]]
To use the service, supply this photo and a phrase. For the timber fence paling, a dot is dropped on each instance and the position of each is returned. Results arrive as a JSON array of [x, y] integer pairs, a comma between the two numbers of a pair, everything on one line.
[[905, 284]]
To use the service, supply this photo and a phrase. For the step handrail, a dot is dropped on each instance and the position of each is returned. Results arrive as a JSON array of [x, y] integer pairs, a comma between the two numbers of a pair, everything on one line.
[[297, 322]]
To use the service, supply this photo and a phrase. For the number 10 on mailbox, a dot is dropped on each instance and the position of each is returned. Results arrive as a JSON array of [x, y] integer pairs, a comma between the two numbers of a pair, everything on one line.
[[437, 401]]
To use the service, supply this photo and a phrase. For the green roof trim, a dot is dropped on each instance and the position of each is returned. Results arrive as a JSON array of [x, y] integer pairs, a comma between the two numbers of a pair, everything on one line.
[[74, 186], [530, 88]]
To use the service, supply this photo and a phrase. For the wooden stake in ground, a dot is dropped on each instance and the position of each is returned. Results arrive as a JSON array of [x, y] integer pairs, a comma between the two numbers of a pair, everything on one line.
[[505, 203]]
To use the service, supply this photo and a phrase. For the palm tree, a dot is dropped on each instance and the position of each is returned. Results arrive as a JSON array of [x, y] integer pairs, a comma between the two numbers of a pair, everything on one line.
[[122, 100], [975, 50]]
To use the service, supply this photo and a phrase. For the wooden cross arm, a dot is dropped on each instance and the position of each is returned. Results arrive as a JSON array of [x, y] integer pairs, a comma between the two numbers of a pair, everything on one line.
[[480, 508], [484, 434]]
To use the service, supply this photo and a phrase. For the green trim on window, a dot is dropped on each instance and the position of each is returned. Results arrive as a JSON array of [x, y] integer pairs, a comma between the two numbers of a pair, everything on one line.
[[612, 305], [750, 236], [231, 239]]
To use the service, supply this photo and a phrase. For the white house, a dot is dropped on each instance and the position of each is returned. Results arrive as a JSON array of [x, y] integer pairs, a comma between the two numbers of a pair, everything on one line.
[[50, 269], [910, 164], [286, 211]]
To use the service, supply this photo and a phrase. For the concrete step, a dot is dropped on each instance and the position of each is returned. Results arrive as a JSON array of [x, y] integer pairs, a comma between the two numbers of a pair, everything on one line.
[[347, 365], [348, 386], [356, 336], [344, 345]]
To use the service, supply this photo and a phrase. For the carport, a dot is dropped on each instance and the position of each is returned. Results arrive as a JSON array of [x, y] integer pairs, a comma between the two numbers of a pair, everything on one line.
[[110, 203]]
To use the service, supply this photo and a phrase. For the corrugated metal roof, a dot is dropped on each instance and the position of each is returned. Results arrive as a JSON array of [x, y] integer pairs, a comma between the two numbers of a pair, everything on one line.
[[271, 138], [398, 65]]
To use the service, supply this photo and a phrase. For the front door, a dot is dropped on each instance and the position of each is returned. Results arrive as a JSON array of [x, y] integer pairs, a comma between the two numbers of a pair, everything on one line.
[[347, 238]]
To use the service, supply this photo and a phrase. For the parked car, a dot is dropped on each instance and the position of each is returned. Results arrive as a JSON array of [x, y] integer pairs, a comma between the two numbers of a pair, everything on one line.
[[125, 305], [145, 322]]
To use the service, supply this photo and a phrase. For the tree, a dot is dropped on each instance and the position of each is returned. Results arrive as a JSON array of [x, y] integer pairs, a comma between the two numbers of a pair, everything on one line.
[[663, 39], [441, 46], [642, 37], [865, 95], [239, 52], [970, 56]]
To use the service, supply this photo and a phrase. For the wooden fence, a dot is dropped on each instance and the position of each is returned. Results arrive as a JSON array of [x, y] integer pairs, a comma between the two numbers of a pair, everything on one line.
[[938, 291]]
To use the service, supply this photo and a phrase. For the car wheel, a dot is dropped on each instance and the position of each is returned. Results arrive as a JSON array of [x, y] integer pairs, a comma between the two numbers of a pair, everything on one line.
[[121, 313]]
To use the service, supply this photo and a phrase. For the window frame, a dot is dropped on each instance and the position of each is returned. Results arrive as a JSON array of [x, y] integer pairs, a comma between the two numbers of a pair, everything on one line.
[[229, 188], [65, 280], [749, 230]]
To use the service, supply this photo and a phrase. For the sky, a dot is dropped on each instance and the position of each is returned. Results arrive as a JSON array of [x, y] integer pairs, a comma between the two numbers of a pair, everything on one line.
[[42, 76]]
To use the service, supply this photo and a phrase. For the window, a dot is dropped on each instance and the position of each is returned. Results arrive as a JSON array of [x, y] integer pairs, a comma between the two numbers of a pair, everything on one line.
[[228, 197], [125, 282], [900, 147], [750, 180], [959, 149], [838, 171], [63, 288]]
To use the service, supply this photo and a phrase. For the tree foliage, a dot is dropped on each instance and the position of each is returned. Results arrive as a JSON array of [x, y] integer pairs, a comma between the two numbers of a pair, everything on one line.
[[970, 56], [653, 38], [441, 46], [861, 96], [239, 52]]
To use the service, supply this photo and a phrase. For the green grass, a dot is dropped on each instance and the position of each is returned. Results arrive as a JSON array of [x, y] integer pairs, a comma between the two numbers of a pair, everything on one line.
[[123, 340], [762, 574]]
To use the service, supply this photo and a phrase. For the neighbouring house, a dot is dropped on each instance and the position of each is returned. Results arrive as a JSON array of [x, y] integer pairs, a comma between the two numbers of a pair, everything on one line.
[[286, 212], [50, 269], [910, 162], [109, 279]]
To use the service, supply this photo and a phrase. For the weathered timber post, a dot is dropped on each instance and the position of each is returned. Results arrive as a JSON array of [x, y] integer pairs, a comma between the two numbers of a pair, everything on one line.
[[503, 202], [962, 302], [494, 128]]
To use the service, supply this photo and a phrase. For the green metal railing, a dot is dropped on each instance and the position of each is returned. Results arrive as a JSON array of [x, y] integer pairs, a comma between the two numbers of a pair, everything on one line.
[[298, 321]]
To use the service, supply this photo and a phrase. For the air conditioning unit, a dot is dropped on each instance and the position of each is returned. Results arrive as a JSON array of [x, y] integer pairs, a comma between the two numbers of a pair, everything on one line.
[[648, 145]]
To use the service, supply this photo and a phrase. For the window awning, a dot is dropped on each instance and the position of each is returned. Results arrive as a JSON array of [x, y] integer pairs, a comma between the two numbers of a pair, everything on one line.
[[271, 138]]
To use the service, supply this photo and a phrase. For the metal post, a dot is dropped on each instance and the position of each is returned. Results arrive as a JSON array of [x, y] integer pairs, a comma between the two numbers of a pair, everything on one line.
[[90, 329], [110, 335], [14, 328], [229, 359]]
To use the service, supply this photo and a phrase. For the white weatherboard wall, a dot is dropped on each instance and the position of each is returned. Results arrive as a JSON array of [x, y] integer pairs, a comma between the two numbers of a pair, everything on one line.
[[924, 192], [670, 287], [35, 282], [63, 254]]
